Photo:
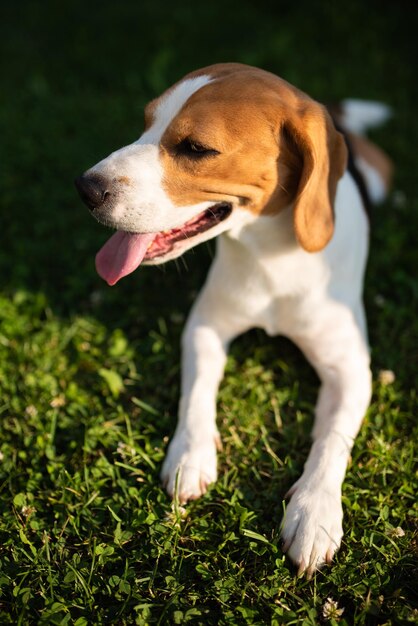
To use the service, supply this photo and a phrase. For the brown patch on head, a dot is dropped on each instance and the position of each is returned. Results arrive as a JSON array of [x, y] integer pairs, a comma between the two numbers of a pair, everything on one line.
[[268, 145], [149, 113]]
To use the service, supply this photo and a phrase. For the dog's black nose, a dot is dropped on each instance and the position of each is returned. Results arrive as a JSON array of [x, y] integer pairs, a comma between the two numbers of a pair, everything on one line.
[[93, 190]]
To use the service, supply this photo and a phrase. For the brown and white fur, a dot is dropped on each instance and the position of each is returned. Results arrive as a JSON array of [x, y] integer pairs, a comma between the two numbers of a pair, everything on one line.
[[236, 152]]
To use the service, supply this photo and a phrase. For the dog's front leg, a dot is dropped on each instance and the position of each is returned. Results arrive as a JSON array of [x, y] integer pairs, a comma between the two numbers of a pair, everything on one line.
[[335, 346], [190, 465]]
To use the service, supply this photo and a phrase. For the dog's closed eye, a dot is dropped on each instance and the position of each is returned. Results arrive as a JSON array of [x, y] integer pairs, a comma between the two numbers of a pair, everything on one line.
[[194, 150]]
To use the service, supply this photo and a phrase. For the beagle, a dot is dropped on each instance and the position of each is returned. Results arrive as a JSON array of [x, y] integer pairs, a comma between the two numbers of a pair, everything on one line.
[[236, 152]]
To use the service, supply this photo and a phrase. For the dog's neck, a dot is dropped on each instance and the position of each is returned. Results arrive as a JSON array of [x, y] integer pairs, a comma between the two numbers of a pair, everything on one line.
[[264, 236]]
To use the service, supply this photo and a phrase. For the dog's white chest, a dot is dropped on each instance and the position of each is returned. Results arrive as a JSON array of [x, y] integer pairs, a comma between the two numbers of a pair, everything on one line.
[[267, 288]]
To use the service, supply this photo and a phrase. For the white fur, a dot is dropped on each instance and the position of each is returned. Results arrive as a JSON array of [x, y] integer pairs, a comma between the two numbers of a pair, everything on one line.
[[360, 115], [262, 277], [170, 106]]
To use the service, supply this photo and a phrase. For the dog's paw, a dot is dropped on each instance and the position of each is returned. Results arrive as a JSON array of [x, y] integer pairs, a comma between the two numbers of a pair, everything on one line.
[[189, 468], [312, 528]]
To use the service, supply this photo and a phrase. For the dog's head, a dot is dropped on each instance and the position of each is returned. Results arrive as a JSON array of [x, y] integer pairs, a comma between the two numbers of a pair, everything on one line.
[[226, 142]]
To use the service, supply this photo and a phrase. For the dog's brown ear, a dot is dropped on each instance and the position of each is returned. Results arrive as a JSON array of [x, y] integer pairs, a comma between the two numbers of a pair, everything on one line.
[[323, 158]]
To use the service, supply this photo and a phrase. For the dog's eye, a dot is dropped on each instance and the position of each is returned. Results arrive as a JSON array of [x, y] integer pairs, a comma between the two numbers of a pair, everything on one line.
[[194, 150]]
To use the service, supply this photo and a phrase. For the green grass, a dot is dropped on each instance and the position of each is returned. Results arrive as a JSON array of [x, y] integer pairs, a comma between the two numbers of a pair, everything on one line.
[[89, 375]]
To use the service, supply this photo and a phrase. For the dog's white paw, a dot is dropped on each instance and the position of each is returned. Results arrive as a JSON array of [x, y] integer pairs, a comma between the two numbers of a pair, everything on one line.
[[190, 467], [312, 528]]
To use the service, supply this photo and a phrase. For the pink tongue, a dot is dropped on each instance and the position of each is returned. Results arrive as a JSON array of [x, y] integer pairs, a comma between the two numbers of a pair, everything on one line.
[[121, 255]]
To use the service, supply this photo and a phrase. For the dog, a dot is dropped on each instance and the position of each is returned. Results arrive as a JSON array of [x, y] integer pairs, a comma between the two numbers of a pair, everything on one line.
[[235, 152]]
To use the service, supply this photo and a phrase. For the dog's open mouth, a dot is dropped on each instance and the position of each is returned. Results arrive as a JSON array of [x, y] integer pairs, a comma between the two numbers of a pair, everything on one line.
[[124, 252]]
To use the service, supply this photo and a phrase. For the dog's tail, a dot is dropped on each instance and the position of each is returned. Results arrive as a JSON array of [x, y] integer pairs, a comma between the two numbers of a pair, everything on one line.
[[358, 116], [355, 117]]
